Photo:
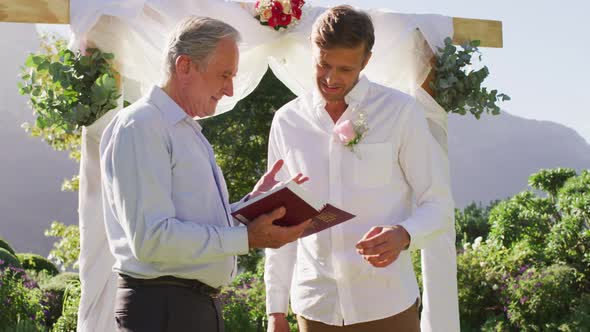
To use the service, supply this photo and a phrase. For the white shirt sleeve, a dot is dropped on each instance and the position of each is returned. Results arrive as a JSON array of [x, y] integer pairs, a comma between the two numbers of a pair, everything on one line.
[[136, 164], [422, 161], [279, 263]]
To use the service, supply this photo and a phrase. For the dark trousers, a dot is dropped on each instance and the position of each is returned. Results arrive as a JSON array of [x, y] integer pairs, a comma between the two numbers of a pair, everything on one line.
[[164, 308]]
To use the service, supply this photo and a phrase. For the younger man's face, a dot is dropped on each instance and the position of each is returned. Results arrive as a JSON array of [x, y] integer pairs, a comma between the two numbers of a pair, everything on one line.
[[337, 70]]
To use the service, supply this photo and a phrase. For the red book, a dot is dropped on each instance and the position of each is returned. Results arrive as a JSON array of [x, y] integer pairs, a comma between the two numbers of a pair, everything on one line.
[[300, 206]]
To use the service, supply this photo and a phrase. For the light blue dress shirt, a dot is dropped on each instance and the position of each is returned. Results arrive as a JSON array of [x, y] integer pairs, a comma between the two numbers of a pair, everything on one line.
[[165, 201]]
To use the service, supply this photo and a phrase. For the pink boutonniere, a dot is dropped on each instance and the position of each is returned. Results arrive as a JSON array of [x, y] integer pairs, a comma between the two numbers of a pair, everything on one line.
[[351, 133]]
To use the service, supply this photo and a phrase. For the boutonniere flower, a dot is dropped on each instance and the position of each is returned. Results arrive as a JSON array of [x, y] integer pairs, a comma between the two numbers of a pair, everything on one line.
[[279, 13], [351, 133]]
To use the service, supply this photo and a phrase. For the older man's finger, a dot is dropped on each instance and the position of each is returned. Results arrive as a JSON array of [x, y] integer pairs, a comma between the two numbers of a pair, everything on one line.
[[299, 178]]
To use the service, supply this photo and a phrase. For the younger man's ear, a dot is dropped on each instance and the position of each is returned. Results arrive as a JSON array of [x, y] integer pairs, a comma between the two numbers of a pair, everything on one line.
[[367, 57]]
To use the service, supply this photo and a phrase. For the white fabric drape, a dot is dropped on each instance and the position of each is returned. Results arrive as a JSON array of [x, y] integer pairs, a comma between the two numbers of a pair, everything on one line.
[[136, 31], [96, 311]]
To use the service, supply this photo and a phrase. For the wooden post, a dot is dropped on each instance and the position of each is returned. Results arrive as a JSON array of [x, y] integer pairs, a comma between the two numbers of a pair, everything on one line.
[[486, 31], [58, 11], [35, 11]]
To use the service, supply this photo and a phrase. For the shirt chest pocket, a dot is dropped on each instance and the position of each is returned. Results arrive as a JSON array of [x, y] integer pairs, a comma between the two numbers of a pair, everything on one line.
[[373, 164]]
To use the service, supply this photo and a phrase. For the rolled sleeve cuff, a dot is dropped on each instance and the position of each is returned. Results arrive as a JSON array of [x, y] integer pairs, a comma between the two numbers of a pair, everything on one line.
[[236, 240], [277, 302]]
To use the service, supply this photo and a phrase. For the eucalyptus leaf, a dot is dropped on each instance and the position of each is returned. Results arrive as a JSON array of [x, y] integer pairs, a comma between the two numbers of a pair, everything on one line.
[[455, 87]]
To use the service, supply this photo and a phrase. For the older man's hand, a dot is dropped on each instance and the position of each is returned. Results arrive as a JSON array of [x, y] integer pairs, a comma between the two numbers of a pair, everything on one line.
[[382, 245], [262, 233], [268, 181]]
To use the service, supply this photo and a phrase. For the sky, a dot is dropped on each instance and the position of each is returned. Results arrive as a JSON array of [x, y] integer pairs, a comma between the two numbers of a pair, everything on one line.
[[542, 65]]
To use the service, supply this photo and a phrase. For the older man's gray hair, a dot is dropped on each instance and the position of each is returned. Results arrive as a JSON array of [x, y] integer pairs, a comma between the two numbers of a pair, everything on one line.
[[197, 38]]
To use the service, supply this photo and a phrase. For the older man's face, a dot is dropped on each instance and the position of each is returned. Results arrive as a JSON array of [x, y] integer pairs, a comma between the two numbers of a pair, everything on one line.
[[207, 86]]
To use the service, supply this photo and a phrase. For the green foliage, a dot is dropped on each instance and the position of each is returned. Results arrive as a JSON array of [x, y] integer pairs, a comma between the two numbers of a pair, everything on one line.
[[524, 216], [527, 297], [67, 89], [8, 259], [472, 222], [6, 246], [244, 305], [55, 291], [574, 197], [551, 180], [533, 271], [66, 250], [24, 325], [240, 139], [20, 300], [60, 282], [458, 90], [37, 263], [68, 320]]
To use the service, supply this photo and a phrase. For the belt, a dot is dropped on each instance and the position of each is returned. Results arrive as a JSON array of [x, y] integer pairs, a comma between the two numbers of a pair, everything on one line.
[[126, 281]]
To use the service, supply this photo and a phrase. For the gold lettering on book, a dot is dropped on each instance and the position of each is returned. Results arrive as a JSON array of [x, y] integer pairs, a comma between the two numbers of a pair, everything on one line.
[[327, 216]]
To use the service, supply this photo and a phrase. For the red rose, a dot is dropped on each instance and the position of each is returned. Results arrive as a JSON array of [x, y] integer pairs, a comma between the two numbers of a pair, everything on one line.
[[257, 4], [296, 12], [277, 8], [273, 21], [285, 19], [297, 3]]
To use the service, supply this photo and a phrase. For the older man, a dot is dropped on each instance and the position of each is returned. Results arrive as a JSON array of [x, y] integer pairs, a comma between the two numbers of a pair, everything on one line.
[[165, 201]]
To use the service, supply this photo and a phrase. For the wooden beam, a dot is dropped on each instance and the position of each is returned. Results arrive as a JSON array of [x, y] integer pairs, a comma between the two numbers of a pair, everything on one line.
[[487, 31], [35, 11], [58, 11]]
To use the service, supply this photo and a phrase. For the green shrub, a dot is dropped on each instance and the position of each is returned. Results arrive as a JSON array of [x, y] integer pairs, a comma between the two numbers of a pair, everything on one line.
[[20, 300], [37, 263], [244, 305], [54, 294], [472, 222], [66, 250], [7, 259], [5, 245], [68, 321], [540, 299], [524, 216]]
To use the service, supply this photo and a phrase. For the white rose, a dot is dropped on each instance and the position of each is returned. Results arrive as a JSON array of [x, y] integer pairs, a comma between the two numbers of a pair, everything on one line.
[[286, 7], [477, 242]]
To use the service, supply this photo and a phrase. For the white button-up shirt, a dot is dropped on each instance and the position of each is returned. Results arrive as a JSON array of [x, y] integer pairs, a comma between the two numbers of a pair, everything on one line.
[[392, 178], [165, 201]]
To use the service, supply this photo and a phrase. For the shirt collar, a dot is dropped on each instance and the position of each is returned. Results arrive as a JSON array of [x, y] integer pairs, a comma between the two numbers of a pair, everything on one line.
[[171, 112], [354, 97]]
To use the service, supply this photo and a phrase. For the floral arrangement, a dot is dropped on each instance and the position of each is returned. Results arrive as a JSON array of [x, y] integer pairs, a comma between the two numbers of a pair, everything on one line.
[[279, 13], [458, 88], [68, 90], [351, 133]]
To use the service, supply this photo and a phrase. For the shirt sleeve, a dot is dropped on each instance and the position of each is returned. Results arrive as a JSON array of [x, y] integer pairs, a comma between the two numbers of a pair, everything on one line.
[[425, 167], [279, 263], [137, 176]]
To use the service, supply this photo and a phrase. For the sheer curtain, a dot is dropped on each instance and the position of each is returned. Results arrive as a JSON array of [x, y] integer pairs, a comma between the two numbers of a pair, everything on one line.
[[136, 31]]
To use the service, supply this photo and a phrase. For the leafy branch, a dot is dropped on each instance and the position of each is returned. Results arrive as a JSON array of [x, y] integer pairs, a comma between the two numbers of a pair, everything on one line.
[[458, 89]]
